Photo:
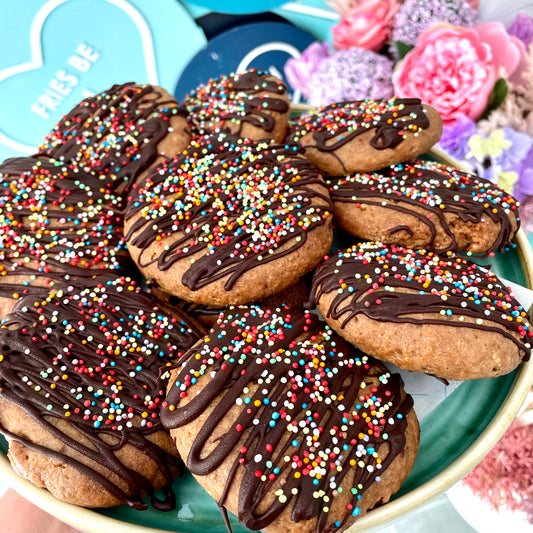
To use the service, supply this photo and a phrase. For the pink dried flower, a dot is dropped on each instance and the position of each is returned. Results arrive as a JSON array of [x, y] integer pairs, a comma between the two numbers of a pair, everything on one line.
[[517, 109], [505, 476], [367, 25]]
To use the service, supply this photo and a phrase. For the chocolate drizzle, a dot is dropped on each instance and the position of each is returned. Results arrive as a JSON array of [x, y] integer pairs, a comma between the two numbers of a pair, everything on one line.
[[397, 285], [236, 201], [237, 99], [445, 192], [91, 357], [335, 125], [300, 429], [114, 134], [55, 224]]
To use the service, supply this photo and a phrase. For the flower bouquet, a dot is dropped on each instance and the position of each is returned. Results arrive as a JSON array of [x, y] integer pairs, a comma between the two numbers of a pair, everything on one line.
[[478, 75]]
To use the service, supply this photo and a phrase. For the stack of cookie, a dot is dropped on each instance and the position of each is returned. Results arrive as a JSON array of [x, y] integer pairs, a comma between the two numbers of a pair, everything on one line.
[[61, 210], [402, 292], [225, 208], [83, 345]]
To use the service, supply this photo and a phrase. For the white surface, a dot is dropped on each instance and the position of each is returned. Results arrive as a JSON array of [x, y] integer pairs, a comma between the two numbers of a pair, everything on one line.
[[482, 517], [427, 391], [504, 11]]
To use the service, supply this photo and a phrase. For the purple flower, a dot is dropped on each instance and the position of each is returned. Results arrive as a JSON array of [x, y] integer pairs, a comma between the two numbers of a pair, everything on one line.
[[353, 74], [513, 158], [526, 215], [523, 188], [522, 27], [299, 70], [505, 150], [417, 15], [454, 138]]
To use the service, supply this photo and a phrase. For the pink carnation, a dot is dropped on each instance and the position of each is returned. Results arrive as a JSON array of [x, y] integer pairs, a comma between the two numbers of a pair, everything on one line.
[[299, 70], [366, 25], [454, 69]]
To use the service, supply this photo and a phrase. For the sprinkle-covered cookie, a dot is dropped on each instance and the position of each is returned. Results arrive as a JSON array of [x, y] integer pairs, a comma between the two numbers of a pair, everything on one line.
[[80, 393], [422, 204], [253, 104], [55, 224], [229, 221], [366, 135], [442, 315], [120, 133], [287, 425]]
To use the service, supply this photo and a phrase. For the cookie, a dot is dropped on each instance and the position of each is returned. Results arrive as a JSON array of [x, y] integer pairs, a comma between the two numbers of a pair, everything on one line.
[[422, 204], [365, 135], [229, 221], [442, 315], [119, 133], [252, 104], [287, 425], [55, 224], [294, 297], [80, 393]]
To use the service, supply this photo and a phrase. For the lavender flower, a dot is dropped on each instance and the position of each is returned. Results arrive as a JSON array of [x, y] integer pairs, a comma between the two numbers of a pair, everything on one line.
[[501, 157], [521, 145], [523, 188], [299, 70], [417, 15], [454, 138], [353, 74], [522, 27]]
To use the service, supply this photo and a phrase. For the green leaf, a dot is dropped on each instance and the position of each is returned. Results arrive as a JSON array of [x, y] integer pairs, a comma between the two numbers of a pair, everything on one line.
[[402, 48], [496, 98]]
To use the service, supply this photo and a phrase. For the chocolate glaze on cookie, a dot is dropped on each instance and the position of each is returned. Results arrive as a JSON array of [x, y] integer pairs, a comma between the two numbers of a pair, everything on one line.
[[91, 357], [337, 124], [393, 284], [300, 399], [239, 203], [56, 224], [365, 135], [253, 97], [445, 201], [116, 134]]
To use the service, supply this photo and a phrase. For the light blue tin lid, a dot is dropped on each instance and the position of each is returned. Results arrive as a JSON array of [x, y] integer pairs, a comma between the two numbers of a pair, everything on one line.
[[61, 51]]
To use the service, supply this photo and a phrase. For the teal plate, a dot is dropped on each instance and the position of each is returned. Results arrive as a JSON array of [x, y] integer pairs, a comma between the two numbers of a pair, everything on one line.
[[455, 436]]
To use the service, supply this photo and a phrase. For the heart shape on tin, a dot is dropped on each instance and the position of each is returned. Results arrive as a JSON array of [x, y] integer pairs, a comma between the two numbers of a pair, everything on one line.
[[69, 62]]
